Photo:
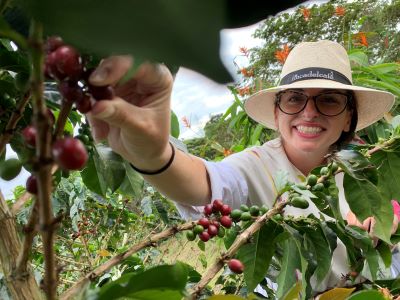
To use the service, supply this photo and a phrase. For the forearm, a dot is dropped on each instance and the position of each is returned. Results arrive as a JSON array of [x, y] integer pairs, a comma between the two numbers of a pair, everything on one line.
[[186, 180]]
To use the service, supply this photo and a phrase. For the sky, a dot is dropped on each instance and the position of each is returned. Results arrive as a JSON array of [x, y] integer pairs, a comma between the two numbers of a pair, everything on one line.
[[194, 96]]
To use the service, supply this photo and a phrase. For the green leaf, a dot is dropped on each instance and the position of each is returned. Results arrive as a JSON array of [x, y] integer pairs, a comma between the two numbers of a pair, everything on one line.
[[337, 294], [290, 263], [359, 57], [133, 182], [367, 295], [356, 165], [365, 201], [385, 253], [389, 173], [385, 68], [294, 292], [105, 170], [256, 134], [161, 282], [281, 181], [174, 125], [256, 256], [230, 236]]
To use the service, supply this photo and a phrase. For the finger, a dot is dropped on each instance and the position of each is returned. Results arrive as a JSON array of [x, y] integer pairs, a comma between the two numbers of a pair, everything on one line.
[[152, 78], [395, 224], [111, 70], [117, 112], [100, 129], [367, 224]]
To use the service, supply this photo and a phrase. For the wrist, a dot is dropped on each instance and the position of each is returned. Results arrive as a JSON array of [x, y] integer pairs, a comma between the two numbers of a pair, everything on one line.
[[156, 165]]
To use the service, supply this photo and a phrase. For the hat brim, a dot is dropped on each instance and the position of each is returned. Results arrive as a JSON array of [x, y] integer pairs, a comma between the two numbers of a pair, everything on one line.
[[371, 104]]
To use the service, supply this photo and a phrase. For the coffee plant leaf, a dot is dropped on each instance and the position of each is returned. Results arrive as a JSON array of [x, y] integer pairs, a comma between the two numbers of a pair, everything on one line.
[[174, 125], [257, 254], [365, 201], [290, 263], [356, 165], [385, 254], [367, 295], [173, 34], [321, 247], [105, 169], [389, 173], [281, 181], [294, 292], [337, 294], [133, 183], [160, 282]]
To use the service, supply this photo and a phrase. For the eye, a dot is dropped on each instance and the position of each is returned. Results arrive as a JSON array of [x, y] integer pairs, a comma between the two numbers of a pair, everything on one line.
[[330, 99]]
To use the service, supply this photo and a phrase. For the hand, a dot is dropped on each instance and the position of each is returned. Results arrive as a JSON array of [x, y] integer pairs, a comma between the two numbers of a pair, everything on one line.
[[136, 123]]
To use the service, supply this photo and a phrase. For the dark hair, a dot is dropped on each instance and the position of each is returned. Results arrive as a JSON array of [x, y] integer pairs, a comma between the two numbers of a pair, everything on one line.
[[346, 137]]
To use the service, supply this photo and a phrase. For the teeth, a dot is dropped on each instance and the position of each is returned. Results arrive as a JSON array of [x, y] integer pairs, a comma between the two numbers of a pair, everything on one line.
[[307, 129]]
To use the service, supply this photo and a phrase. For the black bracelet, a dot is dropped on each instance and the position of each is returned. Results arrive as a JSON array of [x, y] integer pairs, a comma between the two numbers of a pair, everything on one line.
[[159, 170]]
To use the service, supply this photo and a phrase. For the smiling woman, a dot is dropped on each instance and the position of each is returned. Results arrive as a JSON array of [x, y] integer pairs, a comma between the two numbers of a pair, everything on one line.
[[313, 107]]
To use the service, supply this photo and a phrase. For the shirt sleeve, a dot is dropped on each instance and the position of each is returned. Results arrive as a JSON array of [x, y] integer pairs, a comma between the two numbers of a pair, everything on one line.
[[226, 184]]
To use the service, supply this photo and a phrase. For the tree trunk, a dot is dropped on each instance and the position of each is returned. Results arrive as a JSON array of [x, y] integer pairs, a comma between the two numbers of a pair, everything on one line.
[[21, 286]]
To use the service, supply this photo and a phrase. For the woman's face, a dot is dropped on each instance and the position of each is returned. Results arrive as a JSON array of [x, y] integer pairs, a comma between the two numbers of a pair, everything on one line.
[[309, 130]]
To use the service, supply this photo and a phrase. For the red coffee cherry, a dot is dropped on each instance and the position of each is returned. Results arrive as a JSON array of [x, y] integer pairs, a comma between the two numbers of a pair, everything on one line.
[[84, 105], [51, 69], [212, 230], [214, 222], [203, 222], [70, 90], [236, 266], [217, 205], [29, 133], [208, 209], [226, 221], [101, 92], [70, 153], [31, 185], [68, 62], [204, 236], [226, 210], [53, 43]]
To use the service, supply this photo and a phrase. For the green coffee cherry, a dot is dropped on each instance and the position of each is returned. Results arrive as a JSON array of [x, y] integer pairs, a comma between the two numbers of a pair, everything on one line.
[[254, 210], [198, 229], [334, 167], [236, 214], [324, 171], [299, 202], [245, 216], [318, 187], [190, 235], [263, 209], [277, 218], [10, 168], [244, 207], [312, 180]]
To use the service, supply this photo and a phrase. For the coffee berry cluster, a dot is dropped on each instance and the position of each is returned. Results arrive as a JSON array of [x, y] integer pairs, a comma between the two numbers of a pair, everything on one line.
[[65, 65], [314, 184], [216, 219]]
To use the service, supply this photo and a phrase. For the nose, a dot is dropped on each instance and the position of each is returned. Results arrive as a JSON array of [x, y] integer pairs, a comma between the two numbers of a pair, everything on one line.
[[310, 111]]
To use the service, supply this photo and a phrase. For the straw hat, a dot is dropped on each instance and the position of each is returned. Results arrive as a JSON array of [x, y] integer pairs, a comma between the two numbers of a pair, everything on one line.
[[324, 64]]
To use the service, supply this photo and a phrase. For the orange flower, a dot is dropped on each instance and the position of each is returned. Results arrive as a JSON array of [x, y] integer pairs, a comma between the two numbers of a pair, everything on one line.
[[244, 51], [340, 11], [247, 73], [306, 13], [362, 38], [244, 91], [186, 122], [227, 152], [281, 55]]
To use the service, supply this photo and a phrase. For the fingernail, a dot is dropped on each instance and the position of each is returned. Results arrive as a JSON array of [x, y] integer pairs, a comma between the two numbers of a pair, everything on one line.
[[99, 75]]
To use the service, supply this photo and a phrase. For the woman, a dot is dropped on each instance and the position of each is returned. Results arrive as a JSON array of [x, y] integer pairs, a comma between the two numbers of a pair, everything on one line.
[[316, 109]]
